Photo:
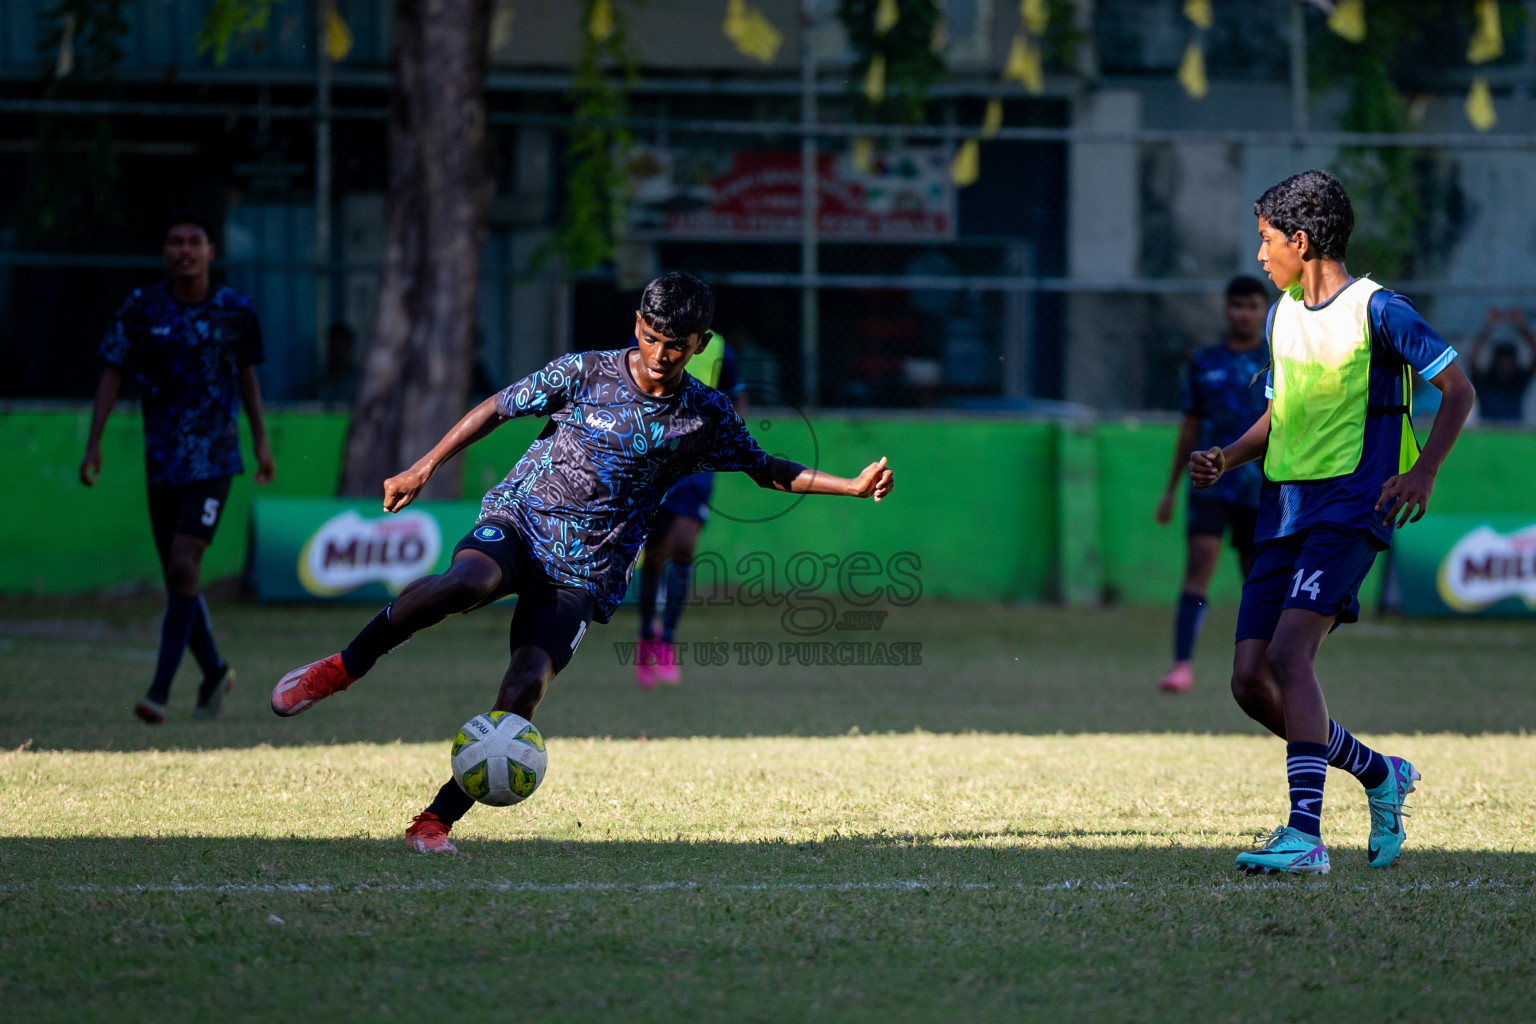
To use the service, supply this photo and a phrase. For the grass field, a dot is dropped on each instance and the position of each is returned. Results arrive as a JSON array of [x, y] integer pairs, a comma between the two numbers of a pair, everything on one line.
[[1020, 827]]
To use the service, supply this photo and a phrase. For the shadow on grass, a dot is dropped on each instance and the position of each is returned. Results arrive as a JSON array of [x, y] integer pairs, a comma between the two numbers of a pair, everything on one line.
[[1007, 860]]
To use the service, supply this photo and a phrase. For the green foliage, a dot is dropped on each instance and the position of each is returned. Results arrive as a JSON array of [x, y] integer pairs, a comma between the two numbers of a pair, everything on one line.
[[230, 22], [912, 66], [596, 157]]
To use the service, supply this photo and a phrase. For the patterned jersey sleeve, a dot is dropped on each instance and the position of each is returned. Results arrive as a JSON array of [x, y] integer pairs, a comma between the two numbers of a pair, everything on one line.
[[543, 391], [252, 352], [117, 347], [1401, 329], [1190, 402], [732, 448]]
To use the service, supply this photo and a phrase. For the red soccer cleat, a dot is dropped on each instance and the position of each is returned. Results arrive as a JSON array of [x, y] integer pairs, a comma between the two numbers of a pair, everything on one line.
[[302, 687], [1180, 678], [149, 712], [427, 834]]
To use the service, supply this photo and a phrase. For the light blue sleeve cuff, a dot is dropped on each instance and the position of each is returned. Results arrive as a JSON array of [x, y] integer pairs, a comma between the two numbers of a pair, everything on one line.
[[1269, 393], [1432, 371]]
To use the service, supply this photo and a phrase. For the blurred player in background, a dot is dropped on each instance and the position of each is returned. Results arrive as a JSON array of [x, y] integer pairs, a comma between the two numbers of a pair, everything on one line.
[[1341, 471], [1502, 381], [1221, 396], [674, 535], [193, 349], [563, 529]]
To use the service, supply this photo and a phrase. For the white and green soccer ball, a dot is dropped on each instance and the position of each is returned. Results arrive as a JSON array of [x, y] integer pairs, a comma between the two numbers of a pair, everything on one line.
[[499, 758]]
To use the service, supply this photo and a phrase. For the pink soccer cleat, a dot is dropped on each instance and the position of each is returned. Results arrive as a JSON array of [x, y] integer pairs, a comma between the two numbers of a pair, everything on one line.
[[427, 834], [645, 663], [668, 657], [1180, 678], [303, 687]]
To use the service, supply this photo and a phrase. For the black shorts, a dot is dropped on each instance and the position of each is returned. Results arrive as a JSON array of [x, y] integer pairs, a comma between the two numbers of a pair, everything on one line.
[[1211, 517], [551, 618], [192, 510]]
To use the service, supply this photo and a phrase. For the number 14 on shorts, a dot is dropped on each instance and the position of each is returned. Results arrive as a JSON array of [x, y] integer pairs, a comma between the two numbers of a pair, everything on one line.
[[1310, 587]]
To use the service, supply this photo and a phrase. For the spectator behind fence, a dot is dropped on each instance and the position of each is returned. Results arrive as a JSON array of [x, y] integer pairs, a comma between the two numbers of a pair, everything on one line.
[[1502, 384]]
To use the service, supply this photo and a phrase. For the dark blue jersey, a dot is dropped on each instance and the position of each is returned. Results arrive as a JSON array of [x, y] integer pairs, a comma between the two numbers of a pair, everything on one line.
[[187, 360], [585, 493], [1225, 391], [1399, 337]]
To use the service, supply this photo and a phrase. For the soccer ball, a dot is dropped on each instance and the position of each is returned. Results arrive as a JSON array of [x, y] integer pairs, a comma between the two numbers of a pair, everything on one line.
[[499, 758]]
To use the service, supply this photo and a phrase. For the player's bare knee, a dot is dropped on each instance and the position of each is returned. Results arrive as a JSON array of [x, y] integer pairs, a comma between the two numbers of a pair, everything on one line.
[[1288, 662], [182, 575]]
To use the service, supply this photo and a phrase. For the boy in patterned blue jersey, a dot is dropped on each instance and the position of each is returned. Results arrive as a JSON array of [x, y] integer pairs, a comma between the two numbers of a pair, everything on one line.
[[669, 549], [193, 349], [1342, 471], [1221, 396], [562, 531]]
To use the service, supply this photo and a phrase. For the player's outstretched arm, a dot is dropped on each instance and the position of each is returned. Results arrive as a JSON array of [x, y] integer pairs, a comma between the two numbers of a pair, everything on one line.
[[250, 397], [106, 398], [1406, 496], [401, 489], [782, 475], [1206, 467]]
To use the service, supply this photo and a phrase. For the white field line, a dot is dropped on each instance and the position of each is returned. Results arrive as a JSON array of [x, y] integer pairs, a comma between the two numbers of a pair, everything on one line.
[[900, 885]]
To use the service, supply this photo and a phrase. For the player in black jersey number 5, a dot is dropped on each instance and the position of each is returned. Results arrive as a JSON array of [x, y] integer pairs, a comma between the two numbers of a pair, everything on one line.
[[562, 531]]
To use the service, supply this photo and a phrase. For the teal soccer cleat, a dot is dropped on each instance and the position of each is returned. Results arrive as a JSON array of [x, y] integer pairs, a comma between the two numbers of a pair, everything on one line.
[[1286, 851], [1387, 812]]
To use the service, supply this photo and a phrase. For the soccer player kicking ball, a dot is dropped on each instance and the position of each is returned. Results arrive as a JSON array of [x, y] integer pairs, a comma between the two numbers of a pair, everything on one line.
[[1342, 470], [563, 529]]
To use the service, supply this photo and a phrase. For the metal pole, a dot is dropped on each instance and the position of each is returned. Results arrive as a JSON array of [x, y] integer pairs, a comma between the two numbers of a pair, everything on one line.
[[1299, 99], [810, 305], [322, 185]]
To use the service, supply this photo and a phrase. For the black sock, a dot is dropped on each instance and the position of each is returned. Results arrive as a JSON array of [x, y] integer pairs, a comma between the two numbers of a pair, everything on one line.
[[174, 629], [648, 588], [451, 803], [676, 599], [377, 639], [1187, 625], [200, 643]]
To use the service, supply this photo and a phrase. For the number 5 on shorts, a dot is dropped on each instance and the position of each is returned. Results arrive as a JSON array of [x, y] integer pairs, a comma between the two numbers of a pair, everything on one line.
[[1310, 586], [211, 512]]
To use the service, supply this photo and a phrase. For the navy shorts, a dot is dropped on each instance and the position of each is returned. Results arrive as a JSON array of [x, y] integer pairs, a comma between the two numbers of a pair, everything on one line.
[[551, 618], [1212, 517], [1319, 569], [690, 496], [191, 510]]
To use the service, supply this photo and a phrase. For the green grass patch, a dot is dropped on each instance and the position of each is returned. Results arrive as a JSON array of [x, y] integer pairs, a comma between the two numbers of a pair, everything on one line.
[[1019, 827]]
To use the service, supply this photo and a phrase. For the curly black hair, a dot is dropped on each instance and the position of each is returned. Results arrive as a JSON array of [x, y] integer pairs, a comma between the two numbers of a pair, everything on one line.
[[677, 305], [193, 217], [1243, 285], [1314, 202]]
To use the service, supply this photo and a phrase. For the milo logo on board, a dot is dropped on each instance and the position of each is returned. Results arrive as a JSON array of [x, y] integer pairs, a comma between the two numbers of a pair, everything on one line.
[[1485, 567], [349, 551]]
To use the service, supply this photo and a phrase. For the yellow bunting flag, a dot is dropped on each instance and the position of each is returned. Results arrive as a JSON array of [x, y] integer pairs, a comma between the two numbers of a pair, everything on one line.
[[874, 80], [1348, 20], [502, 19], [1036, 15], [1480, 105], [967, 166], [993, 121], [600, 21], [1488, 41], [863, 156], [1199, 12], [66, 62], [1192, 72], [938, 42], [751, 33], [886, 17], [338, 37], [1024, 65]]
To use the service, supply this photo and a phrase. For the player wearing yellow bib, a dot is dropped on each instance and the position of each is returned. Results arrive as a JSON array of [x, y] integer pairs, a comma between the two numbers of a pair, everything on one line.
[[1342, 471]]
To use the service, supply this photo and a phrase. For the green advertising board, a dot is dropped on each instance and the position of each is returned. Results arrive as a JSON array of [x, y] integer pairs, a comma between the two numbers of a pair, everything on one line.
[[1459, 565], [329, 549]]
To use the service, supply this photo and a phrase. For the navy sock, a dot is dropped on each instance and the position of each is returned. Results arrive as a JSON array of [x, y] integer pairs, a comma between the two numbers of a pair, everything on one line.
[[200, 642], [1187, 626], [174, 628], [679, 579], [377, 639], [648, 587], [451, 803], [1306, 766], [1348, 753]]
